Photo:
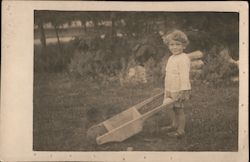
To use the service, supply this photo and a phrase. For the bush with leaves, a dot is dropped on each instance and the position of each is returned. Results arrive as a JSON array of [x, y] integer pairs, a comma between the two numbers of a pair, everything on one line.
[[52, 59], [102, 60], [217, 69]]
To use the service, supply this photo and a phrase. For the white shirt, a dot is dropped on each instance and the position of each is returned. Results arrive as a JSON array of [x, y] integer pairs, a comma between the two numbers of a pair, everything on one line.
[[177, 73]]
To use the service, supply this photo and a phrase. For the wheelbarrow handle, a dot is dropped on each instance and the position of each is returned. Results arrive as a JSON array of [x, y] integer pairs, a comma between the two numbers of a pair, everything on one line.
[[167, 104], [139, 105]]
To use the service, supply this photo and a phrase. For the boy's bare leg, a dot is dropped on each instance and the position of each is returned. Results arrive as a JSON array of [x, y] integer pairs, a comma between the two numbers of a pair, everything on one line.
[[180, 116], [174, 118], [173, 125]]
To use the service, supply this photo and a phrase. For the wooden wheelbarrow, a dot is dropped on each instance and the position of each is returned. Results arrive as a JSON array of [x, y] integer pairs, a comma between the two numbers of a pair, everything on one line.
[[130, 122], [127, 123]]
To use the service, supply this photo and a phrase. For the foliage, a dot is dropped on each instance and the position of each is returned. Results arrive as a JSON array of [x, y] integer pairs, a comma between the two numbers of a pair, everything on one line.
[[209, 25], [217, 69], [53, 60], [98, 61], [111, 56]]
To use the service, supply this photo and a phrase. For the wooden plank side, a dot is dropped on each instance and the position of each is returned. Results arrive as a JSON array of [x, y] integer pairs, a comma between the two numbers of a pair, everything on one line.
[[121, 133]]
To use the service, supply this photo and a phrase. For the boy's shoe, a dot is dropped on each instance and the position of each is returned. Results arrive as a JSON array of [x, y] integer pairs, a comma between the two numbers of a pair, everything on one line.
[[176, 134], [169, 128]]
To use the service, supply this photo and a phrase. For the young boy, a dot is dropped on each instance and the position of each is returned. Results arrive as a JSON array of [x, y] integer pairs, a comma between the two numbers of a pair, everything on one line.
[[177, 83]]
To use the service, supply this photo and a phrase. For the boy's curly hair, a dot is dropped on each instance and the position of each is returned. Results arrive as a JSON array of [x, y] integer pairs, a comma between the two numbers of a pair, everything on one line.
[[176, 35]]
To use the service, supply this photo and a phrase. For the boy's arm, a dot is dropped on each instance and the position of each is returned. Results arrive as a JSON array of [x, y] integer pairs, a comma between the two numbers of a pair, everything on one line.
[[184, 69]]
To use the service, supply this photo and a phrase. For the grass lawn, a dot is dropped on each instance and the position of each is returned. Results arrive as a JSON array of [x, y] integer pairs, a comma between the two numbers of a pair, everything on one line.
[[64, 109]]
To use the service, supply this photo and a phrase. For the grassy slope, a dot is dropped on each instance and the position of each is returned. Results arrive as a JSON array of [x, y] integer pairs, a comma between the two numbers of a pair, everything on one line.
[[65, 108]]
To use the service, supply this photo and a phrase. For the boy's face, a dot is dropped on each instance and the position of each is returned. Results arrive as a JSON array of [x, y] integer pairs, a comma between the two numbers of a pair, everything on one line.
[[176, 47]]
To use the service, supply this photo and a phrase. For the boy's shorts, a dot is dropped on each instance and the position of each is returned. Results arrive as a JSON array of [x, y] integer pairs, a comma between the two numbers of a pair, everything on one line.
[[175, 96]]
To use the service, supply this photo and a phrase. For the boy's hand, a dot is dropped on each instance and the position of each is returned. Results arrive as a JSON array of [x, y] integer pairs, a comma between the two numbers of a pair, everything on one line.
[[184, 95], [165, 101]]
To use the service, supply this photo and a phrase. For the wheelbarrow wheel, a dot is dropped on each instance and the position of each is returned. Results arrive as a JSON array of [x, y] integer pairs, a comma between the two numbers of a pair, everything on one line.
[[94, 132]]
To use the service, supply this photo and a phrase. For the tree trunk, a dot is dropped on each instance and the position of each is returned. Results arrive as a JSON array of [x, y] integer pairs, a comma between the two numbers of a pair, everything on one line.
[[58, 40], [42, 35], [113, 32], [113, 28], [85, 27], [95, 23]]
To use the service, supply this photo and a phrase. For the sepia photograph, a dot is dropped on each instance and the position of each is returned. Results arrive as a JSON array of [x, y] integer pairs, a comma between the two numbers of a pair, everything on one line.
[[124, 81], [135, 81]]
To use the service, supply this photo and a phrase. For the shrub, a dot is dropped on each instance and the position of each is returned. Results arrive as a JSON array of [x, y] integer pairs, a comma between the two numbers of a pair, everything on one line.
[[217, 69], [109, 59], [52, 59], [102, 60]]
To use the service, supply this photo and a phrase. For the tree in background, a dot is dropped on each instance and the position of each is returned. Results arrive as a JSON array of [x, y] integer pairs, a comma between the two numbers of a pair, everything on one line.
[[40, 19]]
